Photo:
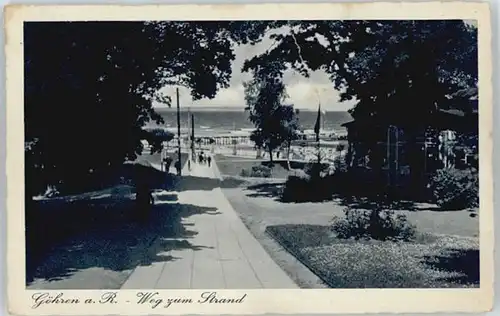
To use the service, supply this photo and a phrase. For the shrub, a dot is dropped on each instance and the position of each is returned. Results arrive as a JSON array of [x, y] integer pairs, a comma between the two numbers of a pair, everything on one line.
[[295, 189], [257, 172], [317, 183], [340, 164], [455, 189], [306, 189], [315, 169], [245, 173], [375, 224]]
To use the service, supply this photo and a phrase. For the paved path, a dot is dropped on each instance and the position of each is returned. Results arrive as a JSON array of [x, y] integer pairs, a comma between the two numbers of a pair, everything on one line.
[[222, 252]]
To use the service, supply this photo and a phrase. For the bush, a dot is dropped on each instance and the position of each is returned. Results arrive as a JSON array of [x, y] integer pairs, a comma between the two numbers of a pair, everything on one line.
[[295, 189], [340, 164], [375, 224], [257, 172], [455, 189], [317, 184], [245, 173], [306, 189], [315, 169]]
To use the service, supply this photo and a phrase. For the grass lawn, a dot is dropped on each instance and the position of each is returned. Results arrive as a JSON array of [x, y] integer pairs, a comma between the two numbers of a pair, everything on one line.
[[434, 261], [99, 202], [445, 254], [232, 166]]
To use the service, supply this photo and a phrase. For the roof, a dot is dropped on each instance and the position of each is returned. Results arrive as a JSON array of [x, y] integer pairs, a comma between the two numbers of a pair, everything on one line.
[[347, 124], [451, 119]]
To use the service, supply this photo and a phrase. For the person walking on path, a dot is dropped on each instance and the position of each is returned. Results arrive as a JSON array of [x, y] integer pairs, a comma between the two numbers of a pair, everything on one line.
[[167, 161], [209, 160], [178, 167]]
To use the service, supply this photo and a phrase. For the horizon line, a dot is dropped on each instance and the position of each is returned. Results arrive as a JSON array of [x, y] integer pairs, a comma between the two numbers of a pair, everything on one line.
[[234, 108]]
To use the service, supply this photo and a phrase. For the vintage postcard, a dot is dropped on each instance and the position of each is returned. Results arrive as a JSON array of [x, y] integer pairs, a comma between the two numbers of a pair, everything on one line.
[[249, 159]]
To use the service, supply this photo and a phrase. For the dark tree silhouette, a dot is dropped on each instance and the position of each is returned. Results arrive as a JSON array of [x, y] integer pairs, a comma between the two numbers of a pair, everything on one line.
[[156, 137], [89, 88], [399, 69], [399, 72]]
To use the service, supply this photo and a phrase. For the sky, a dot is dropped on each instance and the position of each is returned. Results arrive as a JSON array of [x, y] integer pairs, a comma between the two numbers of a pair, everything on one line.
[[304, 93]]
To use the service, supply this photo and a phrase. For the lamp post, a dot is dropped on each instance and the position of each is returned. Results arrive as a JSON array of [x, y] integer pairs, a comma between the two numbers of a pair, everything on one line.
[[192, 136], [178, 133]]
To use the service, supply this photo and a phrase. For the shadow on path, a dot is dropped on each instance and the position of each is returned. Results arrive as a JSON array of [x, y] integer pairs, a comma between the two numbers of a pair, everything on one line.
[[370, 202], [268, 190], [190, 183], [274, 191], [120, 244], [65, 236]]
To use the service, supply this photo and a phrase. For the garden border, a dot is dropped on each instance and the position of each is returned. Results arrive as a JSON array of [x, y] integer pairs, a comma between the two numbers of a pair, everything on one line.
[[300, 259]]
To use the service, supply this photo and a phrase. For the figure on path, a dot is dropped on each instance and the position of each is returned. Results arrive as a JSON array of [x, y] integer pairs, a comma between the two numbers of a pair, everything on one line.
[[178, 166], [143, 198], [209, 160], [201, 158], [167, 161]]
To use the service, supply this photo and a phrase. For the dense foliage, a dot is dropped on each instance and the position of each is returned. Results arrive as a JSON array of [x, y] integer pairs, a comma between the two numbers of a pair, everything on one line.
[[276, 123], [315, 169], [81, 78], [257, 172], [89, 88], [398, 72], [456, 189], [399, 69], [156, 137], [373, 224], [300, 189]]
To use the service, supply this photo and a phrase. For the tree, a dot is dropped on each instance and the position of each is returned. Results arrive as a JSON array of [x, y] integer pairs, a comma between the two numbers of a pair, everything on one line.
[[275, 122], [198, 141], [399, 72], [290, 126], [87, 99], [156, 137]]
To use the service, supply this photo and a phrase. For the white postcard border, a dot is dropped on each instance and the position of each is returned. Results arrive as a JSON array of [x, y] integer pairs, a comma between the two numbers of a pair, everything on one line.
[[305, 301]]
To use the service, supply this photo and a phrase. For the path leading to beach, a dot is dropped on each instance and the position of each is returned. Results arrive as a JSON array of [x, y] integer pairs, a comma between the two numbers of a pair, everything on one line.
[[222, 252], [193, 239]]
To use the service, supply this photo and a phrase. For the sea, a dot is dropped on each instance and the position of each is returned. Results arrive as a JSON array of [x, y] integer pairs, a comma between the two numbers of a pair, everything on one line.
[[223, 120]]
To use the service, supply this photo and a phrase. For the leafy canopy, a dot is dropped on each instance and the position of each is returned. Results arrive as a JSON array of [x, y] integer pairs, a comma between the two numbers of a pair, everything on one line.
[[399, 70], [89, 86]]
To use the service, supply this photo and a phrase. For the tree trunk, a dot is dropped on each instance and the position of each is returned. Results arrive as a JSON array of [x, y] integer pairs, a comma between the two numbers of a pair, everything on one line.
[[289, 145], [415, 162], [349, 155]]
